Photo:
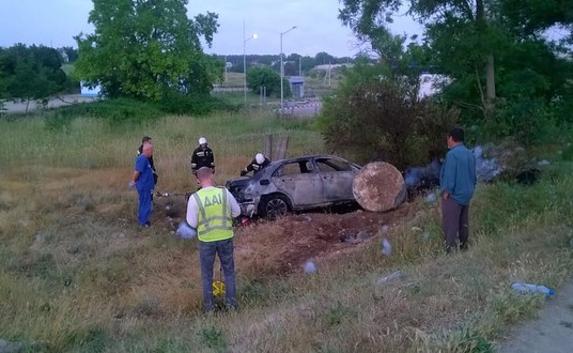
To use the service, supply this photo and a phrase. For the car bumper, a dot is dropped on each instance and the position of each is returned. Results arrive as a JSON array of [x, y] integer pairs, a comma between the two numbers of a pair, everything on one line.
[[248, 208]]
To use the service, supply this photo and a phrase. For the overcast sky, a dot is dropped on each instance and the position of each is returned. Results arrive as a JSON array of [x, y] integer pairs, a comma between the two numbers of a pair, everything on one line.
[[55, 22]]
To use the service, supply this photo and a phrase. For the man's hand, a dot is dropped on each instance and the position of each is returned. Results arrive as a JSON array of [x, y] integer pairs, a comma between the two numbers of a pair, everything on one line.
[[131, 184], [243, 173], [446, 195]]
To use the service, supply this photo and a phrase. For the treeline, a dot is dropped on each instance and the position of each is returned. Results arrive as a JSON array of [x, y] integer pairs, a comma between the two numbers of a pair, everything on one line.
[[501, 76], [292, 62], [32, 73]]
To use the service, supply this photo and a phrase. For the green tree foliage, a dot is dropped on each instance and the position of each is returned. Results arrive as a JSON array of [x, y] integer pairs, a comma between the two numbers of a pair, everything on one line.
[[374, 116], [495, 53], [30, 72], [262, 76], [147, 49]]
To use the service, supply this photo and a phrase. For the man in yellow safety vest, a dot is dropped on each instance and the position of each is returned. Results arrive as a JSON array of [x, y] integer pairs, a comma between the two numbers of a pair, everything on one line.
[[211, 211]]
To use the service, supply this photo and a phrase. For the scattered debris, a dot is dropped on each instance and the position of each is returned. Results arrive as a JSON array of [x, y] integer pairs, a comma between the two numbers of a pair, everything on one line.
[[543, 163], [309, 267], [423, 178], [386, 247], [431, 198], [10, 347], [527, 288], [184, 231], [389, 278]]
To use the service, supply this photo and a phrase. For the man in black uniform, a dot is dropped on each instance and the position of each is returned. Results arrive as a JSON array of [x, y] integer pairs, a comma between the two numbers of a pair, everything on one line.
[[147, 139], [259, 163], [202, 157]]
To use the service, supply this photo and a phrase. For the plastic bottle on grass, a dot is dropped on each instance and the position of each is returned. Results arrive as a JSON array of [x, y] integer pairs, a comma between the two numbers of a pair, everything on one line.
[[527, 288]]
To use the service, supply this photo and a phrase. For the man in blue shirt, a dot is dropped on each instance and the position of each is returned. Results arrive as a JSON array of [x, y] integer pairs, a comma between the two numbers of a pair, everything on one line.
[[457, 184], [143, 181]]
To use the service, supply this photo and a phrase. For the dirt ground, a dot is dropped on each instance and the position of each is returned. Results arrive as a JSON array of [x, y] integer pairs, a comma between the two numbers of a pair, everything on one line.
[[551, 332], [283, 246]]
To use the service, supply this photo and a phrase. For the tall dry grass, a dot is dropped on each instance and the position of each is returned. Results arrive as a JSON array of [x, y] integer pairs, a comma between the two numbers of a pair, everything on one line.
[[77, 276]]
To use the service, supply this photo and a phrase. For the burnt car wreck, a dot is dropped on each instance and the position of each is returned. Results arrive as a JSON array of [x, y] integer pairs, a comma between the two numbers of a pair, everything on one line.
[[295, 184]]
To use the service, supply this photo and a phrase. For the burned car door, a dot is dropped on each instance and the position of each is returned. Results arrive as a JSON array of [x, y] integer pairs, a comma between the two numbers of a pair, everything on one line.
[[300, 182], [337, 176]]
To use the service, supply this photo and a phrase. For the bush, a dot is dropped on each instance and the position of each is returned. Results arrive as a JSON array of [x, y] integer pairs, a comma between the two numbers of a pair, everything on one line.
[[195, 105], [265, 77], [382, 119]]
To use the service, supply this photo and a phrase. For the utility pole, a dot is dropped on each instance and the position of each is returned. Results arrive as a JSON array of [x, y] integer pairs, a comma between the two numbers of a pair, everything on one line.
[[245, 40], [282, 65]]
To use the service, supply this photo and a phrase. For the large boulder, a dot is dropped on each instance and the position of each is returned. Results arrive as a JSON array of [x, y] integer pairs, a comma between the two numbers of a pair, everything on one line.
[[379, 187]]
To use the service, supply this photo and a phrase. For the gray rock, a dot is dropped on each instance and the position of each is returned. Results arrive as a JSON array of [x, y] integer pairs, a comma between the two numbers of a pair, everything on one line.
[[10, 347]]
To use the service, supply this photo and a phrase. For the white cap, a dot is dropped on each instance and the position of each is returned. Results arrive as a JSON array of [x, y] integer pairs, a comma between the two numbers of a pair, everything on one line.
[[202, 141], [260, 158]]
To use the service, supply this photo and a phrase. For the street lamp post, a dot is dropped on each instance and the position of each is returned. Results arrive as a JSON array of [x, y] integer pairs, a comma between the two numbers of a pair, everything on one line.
[[282, 64], [245, 40]]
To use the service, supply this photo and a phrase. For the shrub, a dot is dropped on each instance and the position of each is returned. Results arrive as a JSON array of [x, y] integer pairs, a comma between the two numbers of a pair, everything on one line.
[[265, 77], [382, 119], [194, 104]]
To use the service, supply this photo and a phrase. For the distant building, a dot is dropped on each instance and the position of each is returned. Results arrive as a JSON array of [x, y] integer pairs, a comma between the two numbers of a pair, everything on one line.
[[296, 86], [86, 91]]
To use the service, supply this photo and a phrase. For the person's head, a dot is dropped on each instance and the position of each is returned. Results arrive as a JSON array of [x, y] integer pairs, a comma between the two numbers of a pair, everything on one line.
[[455, 137], [260, 158], [203, 142], [145, 139], [147, 149], [205, 177]]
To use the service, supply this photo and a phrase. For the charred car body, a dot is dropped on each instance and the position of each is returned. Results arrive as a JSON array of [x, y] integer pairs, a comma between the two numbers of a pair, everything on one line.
[[294, 185]]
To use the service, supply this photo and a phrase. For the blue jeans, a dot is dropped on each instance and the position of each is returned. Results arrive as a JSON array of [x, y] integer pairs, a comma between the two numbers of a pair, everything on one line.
[[207, 252], [145, 206]]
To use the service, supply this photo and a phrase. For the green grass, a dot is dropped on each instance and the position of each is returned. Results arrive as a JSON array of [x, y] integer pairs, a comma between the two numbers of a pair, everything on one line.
[[77, 276]]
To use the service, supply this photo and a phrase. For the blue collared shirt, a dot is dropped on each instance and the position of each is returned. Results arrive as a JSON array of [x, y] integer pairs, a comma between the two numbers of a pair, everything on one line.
[[458, 174], [145, 180]]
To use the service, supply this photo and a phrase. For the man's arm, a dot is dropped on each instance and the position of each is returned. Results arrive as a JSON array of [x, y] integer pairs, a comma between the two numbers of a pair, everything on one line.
[[235, 208], [135, 176], [194, 160], [192, 212], [211, 159], [448, 180]]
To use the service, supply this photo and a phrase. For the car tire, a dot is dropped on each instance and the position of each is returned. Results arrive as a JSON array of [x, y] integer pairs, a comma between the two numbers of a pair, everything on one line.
[[274, 206]]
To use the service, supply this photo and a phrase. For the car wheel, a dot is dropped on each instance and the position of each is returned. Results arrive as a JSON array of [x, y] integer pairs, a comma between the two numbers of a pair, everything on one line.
[[275, 206]]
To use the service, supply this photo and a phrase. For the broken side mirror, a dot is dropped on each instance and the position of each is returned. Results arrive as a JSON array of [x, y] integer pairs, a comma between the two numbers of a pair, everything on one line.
[[265, 182]]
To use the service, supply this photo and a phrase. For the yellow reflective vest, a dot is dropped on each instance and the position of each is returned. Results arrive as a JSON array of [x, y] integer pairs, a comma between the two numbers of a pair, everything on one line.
[[215, 221]]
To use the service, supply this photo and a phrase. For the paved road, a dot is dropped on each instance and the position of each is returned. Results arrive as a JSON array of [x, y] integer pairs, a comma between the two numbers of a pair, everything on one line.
[[551, 332]]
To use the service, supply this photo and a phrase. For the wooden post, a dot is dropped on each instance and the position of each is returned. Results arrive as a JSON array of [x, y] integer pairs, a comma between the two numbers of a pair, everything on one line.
[[268, 150]]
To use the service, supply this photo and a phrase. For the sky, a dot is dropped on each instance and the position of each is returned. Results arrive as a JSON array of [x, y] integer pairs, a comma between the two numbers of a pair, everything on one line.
[[56, 22]]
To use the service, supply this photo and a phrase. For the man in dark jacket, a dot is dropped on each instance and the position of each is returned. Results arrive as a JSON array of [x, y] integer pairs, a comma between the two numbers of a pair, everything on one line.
[[202, 156], [457, 185], [147, 139], [259, 163]]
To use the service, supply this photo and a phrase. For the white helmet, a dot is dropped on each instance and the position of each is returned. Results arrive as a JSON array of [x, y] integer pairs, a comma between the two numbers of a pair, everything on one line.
[[260, 158], [202, 141]]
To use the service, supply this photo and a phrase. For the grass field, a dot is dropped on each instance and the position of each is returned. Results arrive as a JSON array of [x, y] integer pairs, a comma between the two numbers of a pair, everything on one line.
[[76, 274]]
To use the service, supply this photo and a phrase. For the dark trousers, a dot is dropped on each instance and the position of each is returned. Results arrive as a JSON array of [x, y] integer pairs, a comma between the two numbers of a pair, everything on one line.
[[455, 222], [207, 252], [145, 205]]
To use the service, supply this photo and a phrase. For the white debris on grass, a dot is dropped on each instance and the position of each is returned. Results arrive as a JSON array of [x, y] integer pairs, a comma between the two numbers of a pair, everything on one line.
[[310, 267], [386, 247]]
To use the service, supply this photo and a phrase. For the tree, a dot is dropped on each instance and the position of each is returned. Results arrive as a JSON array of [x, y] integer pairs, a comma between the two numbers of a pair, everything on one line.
[[30, 72], [480, 45], [374, 116], [262, 76], [147, 49]]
